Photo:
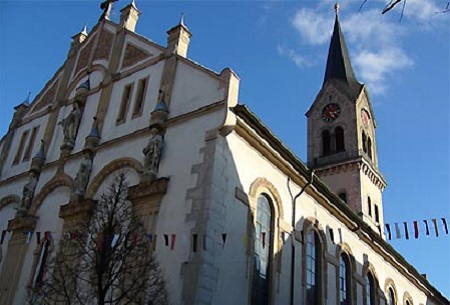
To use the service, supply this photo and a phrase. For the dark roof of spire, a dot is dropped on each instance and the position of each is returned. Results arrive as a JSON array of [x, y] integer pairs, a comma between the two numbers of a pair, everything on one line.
[[338, 64]]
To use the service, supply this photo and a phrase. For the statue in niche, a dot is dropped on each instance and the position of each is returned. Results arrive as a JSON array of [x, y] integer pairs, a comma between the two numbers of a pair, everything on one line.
[[83, 174], [28, 192], [70, 125], [152, 152]]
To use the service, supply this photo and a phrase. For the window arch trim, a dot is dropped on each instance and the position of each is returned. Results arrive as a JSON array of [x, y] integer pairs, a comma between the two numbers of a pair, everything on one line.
[[310, 224]]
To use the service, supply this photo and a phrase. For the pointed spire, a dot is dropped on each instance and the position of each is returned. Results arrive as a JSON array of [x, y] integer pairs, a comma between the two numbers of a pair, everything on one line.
[[84, 31], [338, 64], [182, 20], [94, 129], [26, 101]]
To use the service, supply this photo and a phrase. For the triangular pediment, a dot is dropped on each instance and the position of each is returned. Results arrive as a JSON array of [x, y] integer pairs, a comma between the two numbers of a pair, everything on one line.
[[134, 54]]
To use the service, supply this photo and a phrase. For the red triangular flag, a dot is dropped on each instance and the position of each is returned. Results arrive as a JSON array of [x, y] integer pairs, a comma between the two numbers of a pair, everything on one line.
[[416, 229], [172, 242]]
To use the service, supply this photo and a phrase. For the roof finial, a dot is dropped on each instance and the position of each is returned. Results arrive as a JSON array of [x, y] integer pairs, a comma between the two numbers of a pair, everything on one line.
[[336, 8], [182, 19], [84, 30]]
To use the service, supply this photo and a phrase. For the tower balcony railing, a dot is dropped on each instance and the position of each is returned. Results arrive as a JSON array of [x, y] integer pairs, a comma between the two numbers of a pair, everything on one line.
[[338, 157]]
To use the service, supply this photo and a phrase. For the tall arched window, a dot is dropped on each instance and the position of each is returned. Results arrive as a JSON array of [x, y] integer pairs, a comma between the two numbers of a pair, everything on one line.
[[369, 147], [262, 258], [370, 289], [313, 276], [339, 136], [41, 265], [391, 297], [343, 196], [344, 280], [364, 142], [326, 142], [407, 302], [369, 206]]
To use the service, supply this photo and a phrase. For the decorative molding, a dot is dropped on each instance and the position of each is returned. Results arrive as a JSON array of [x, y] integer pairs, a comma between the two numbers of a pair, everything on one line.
[[7, 200], [81, 209], [262, 185], [149, 188], [358, 164], [59, 180], [23, 223], [108, 170]]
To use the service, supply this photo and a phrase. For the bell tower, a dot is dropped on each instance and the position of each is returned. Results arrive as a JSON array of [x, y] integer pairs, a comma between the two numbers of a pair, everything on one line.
[[342, 148]]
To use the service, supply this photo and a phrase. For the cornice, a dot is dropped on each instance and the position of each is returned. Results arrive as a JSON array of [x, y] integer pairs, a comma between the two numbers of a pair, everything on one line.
[[358, 163]]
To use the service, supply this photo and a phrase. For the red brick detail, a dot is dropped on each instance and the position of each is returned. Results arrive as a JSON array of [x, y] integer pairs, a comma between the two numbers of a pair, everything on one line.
[[104, 45], [133, 54], [83, 58], [47, 98]]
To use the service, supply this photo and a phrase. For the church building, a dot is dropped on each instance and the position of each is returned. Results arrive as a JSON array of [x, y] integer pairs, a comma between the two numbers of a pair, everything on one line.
[[271, 229]]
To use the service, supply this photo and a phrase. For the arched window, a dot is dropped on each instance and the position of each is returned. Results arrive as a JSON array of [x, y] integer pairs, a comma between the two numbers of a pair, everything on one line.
[[391, 297], [369, 147], [407, 302], [344, 280], [339, 135], [343, 196], [326, 142], [313, 276], [262, 258], [41, 266], [364, 142], [369, 206], [370, 289]]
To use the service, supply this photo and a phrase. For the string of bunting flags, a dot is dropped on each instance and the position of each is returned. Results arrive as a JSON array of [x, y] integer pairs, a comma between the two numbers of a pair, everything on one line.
[[199, 241], [416, 228]]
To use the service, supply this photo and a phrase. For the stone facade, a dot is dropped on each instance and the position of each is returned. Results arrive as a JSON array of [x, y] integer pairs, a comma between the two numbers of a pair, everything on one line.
[[216, 161]]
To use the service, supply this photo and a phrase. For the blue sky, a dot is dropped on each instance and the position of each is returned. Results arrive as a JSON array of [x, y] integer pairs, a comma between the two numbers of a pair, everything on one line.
[[279, 48]]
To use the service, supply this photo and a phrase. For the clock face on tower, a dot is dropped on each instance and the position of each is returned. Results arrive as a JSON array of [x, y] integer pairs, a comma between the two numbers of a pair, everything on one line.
[[331, 112]]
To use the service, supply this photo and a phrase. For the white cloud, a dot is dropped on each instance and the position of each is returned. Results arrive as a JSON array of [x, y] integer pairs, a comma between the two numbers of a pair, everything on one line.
[[374, 41], [376, 68], [314, 28], [299, 60]]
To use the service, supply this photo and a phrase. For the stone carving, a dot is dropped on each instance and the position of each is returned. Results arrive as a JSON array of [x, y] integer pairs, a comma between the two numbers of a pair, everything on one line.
[[28, 193], [70, 125], [152, 153], [84, 172]]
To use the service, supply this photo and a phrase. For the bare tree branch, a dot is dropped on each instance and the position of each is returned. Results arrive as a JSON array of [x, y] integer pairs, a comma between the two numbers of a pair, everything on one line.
[[109, 262]]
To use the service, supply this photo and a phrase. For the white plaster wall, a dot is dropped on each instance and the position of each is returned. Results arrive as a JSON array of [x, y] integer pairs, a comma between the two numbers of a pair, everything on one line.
[[9, 169], [132, 124], [369, 189], [6, 214], [43, 179], [251, 165], [182, 147], [194, 88], [48, 220]]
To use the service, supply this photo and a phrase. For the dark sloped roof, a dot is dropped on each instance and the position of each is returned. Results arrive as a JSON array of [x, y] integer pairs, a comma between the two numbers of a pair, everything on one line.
[[339, 65]]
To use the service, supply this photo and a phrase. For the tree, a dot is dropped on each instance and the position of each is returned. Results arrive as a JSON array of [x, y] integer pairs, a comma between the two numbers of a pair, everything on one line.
[[110, 261], [392, 3]]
